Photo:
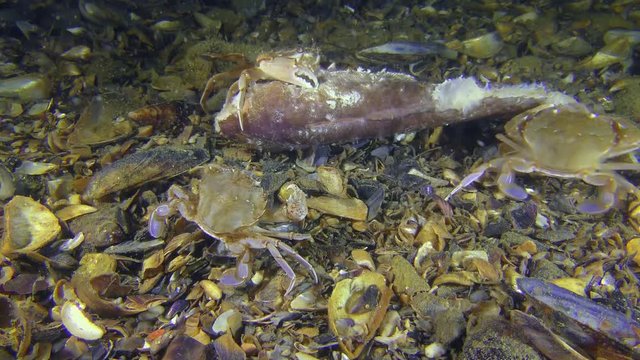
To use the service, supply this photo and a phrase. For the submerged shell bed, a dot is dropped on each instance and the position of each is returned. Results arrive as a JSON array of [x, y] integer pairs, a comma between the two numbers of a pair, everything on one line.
[[99, 117]]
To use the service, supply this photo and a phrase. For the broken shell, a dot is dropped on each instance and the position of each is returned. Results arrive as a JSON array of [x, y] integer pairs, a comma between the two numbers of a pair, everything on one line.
[[72, 243], [10, 108], [73, 211], [572, 46], [185, 347], [632, 36], [363, 259], [80, 52], [435, 233], [211, 289], [15, 328], [159, 115], [229, 321], [35, 168], [461, 257], [28, 226], [481, 47], [331, 180], [78, 324], [587, 324], [350, 208], [356, 309], [167, 25], [633, 249], [152, 265], [307, 301], [618, 51]]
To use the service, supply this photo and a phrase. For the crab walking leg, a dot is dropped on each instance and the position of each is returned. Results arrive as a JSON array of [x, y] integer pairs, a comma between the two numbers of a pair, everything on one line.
[[611, 166], [289, 250], [284, 265], [225, 77], [243, 84], [273, 249], [210, 87], [470, 179], [506, 179], [283, 235]]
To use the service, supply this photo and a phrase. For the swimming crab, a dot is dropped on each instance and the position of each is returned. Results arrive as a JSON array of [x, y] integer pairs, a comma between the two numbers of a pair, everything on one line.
[[226, 204], [564, 141], [294, 67]]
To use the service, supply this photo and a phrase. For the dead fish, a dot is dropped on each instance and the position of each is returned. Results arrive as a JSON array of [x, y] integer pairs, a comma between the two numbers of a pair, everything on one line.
[[351, 105]]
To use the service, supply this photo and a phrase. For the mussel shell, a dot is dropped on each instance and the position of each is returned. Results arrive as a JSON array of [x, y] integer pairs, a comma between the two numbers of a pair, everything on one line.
[[592, 327], [143, 167]]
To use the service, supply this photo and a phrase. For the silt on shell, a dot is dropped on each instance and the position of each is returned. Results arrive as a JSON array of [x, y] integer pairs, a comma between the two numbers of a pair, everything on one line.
[[356, 309], [28, 226]]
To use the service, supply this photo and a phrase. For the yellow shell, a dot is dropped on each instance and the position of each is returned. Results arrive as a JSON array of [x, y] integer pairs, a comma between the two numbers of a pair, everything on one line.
[[356, 309], [28, 226]]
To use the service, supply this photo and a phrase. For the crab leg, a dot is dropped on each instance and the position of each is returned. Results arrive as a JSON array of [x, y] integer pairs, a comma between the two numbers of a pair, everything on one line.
[[273, 249], [210, 87], [505, 179], [284, 265], [619, 166], [289, 250], [284, 235], [224, 77], [470, 179]]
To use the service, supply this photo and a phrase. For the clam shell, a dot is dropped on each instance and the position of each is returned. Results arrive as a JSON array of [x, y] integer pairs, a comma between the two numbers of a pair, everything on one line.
[[28, 225], [356, 309]]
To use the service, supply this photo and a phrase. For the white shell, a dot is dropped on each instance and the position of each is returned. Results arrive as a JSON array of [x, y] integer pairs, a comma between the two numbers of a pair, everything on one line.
[[78, 324], [228, 321]]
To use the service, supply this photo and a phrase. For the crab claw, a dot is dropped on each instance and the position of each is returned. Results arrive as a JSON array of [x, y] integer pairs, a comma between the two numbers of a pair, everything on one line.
[[238, 276], [606, 194], [507, 185], [469, 179], [158, 221]]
